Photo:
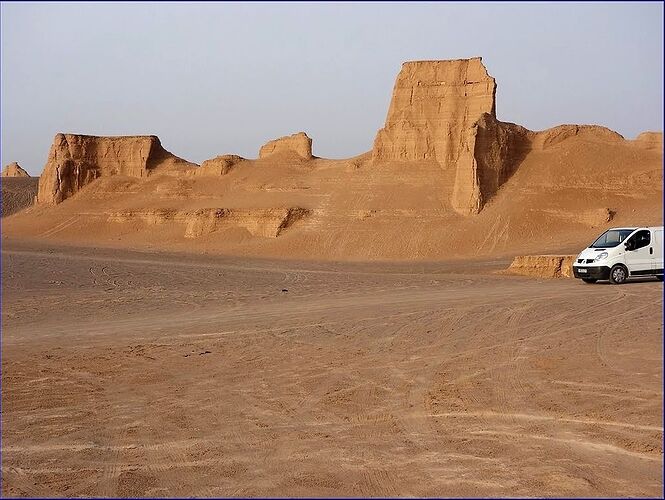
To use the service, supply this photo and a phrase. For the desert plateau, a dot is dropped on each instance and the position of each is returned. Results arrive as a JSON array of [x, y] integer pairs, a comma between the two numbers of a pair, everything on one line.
[[295, 326]]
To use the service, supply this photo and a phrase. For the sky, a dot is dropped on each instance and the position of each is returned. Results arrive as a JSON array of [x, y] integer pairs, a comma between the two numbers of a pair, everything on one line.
[[212, 79]]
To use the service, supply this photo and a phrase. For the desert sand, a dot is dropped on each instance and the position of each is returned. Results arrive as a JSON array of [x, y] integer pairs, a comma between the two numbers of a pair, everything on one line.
[[141, 374], [18, 193], [292, 325], [18, 189]]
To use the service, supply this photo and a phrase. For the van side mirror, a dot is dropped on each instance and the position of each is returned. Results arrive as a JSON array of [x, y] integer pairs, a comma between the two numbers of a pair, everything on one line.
[[629, 245]]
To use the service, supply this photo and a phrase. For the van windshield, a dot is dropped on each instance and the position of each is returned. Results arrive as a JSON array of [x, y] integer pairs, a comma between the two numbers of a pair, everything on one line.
[[611, 238]]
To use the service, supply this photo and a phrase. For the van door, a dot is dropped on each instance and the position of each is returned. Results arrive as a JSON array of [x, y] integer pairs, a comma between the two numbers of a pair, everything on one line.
[[657, 245], [640, 256]]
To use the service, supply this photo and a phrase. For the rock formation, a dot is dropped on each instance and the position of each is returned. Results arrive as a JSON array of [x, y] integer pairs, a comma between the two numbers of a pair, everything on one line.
[[543, 266], [14, 170], [650, 140], [556, 135], [445, 111], [297, 144], [77, 160], [264, 222], [221, 165], [434, 105], [498, 148]]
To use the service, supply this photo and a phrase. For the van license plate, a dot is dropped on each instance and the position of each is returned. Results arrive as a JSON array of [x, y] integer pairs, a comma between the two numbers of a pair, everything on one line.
[[582, 270]]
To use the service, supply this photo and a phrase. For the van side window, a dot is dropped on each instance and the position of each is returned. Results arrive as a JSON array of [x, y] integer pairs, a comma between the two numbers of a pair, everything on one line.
[[641, 239]]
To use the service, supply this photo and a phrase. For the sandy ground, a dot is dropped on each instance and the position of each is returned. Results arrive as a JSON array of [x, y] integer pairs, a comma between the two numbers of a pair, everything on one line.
[[139, 374], [18, 193]]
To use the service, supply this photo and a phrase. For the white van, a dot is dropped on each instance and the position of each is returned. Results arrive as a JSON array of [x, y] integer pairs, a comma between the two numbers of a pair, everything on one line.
[[621, 253]]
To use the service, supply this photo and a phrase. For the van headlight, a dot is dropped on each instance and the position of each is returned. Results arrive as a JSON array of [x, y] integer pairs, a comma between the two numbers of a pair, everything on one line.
[[600, 256]]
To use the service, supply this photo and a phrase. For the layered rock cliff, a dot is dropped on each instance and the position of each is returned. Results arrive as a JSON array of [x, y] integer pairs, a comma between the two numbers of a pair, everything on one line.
[[76, 160], [433, 107], [445, 111]]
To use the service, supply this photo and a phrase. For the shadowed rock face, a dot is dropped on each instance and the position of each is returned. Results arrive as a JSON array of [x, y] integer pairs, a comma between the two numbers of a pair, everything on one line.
[[445, 111], [297, 144], [14, 170], [497, 151], [77, 160]]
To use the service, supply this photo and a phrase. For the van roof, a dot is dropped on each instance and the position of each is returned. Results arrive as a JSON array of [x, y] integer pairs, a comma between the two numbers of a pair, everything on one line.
[[653, 228]]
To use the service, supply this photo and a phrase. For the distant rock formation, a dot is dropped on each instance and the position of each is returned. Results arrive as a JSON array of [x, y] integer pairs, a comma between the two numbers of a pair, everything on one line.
[[446, 111], [77, 160], [221, 165], [299, 144], [556, 135], [14, 170], [650, 140]]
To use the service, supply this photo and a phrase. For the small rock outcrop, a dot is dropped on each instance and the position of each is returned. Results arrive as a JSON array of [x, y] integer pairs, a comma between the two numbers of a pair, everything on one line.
[[650, 140], [445, 111], [543, 266], [14, 170], [556, 135], [297, 144], [221, 165], [76, 160], [264, 222]]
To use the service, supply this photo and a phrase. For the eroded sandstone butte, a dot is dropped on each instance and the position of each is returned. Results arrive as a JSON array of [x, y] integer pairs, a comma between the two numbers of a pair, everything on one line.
[[76, 160], [297, 144], [446, 111], [14, 170]]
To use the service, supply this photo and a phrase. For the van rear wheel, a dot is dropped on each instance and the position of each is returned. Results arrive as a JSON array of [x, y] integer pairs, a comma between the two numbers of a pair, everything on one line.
[[618, 274], [589, 280]]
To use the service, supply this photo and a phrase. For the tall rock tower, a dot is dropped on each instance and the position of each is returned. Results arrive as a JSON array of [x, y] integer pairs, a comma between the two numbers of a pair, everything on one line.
[[434, 114]]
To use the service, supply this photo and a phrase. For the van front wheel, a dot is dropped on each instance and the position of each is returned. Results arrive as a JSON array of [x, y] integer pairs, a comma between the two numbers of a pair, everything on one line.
[[618, 274], [589, 280]]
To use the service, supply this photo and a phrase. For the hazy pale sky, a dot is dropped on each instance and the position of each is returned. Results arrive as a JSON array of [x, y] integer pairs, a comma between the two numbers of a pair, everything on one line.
[[211, 79]]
